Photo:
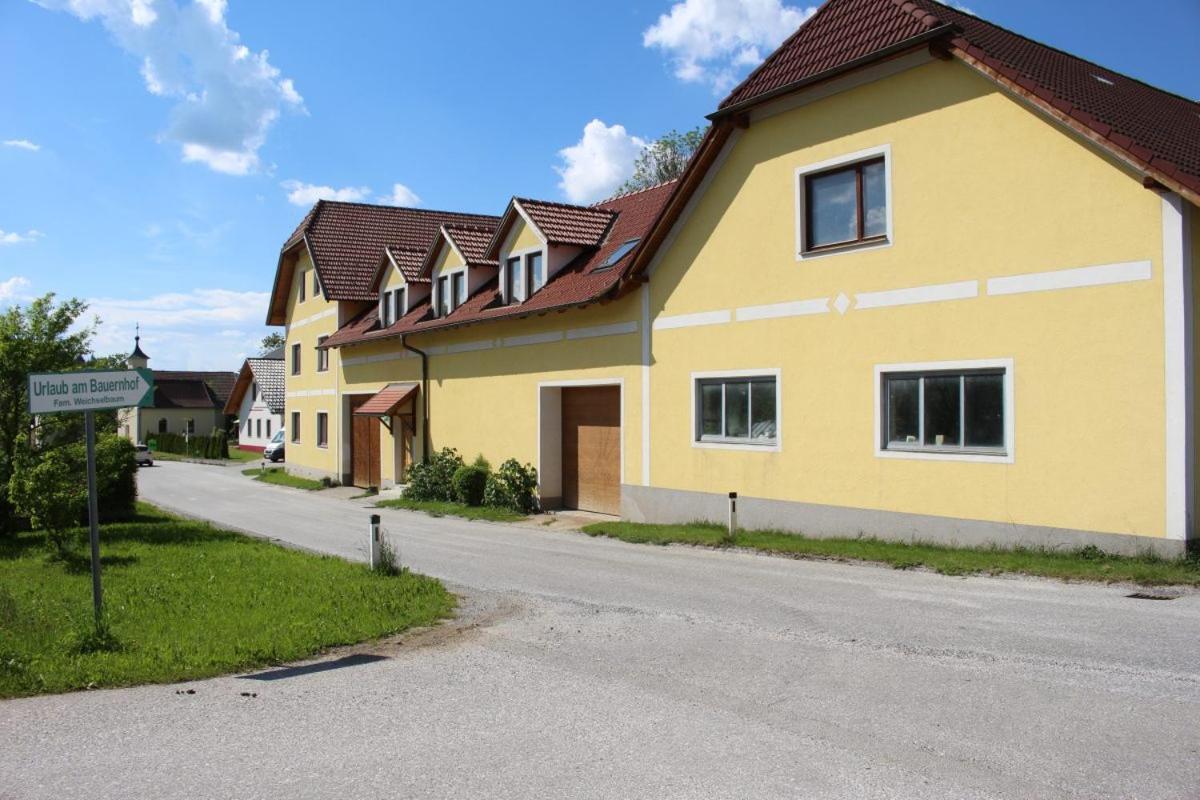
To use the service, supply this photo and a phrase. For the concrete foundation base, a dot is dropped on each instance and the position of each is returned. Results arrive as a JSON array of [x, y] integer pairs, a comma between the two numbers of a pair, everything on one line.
[[651, 504]]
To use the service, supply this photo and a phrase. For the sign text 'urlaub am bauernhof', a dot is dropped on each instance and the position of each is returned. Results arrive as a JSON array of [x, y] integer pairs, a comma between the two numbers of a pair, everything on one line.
[[89, 390]]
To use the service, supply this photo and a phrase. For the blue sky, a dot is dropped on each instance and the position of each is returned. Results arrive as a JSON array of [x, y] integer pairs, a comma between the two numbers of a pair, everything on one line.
[[151, 167]]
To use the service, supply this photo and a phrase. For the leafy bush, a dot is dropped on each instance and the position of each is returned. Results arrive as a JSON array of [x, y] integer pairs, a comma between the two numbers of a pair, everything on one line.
[[434, 479], [49, 487], [482, 463], [512, 486], [469, 482]]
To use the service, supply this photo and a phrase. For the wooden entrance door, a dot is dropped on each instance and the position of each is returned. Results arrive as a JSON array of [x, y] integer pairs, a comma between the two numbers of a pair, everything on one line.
[[364, 445], [591, 448]]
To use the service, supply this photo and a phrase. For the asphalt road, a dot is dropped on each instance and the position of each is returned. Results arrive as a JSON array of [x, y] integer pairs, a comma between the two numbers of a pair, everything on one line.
[[592, 668]]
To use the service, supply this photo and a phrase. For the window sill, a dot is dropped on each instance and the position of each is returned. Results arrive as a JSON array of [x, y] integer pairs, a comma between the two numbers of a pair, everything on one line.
[[733, 444], [946, 454], [848, 247]]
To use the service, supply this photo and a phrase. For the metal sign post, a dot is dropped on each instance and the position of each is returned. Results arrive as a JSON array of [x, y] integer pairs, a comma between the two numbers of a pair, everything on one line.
[[89, 425], [90, 391]]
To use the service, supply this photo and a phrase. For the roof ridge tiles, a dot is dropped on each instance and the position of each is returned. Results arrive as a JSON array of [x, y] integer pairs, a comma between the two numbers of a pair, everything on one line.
[[632, 192]]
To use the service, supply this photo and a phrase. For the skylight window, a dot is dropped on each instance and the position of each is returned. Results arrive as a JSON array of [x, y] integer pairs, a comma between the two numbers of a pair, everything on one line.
[[619, 253], [1104, 80]]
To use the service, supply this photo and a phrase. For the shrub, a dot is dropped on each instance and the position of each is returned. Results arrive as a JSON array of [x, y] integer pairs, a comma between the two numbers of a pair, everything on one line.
[[512, 486], [215, 446], [469, 482], [434, 479], [50, 487], [482, 463]]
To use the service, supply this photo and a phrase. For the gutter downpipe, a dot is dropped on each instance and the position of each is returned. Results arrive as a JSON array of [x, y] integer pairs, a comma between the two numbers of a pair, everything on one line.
[[424, 397]]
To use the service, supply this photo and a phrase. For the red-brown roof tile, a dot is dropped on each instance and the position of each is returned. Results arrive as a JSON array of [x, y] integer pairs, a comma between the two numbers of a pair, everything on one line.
[[347, 240], [472, 241], [409, 261], [1126, 114], [560, 223], [384, 402], [584, 280]]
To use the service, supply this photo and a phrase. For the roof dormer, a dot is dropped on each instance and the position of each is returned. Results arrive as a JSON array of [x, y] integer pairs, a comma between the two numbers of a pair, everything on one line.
[[399, 284], [457, 266], [536, 239]]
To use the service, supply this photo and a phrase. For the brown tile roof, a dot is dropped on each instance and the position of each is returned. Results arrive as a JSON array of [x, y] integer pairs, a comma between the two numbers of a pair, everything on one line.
[[348, 238], [409, 261], [560, 223], [472, 241], [221, 383], [584, 280], [384, 402], [1156, 130], [184, 393]]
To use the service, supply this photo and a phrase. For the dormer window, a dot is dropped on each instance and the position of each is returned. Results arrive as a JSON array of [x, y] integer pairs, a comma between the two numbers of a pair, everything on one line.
[[443, 295], [385, 310], [400, 297], [512, 280], [533, 268], [458, 283], [316, 287], [302, 276]]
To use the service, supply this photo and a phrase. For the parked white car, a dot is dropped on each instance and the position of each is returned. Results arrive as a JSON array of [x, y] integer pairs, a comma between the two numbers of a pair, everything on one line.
[[143, 456]]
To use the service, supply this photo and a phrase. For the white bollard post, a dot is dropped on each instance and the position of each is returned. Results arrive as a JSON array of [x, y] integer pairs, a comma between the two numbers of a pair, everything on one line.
[[373, 547], [732, 515]]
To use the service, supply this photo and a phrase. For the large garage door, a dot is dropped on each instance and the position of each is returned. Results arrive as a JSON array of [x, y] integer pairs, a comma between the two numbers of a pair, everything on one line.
[[591, 448]]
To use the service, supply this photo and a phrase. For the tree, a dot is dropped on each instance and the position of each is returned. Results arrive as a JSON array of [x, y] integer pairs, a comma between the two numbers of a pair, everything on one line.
[[664, 159], [40, 337], [270, 342]]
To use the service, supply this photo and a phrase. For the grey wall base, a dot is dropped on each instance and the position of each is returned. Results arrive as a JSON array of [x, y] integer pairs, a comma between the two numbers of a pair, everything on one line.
[[650, 504]]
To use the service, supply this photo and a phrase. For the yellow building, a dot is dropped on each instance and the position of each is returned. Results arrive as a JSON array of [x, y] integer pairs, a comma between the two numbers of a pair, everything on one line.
[[937, 287]]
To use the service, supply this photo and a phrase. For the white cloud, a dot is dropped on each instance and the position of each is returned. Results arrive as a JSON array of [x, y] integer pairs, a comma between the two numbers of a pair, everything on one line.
[[13, 290], [402, 196], [12, 237], [199, 329], [305, 194], [24, 144], [714, 41], [228, 96], [599, 162]]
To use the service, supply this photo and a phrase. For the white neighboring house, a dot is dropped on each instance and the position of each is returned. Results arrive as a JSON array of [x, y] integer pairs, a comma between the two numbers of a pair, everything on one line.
[[257, 400]]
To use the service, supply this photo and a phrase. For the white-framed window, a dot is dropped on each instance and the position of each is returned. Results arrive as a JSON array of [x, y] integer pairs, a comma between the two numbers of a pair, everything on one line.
[[534, 270], [400, 302], [443, 295], [322, 355], [458, 289], [945, 410], [385, 309], [844, 203], [513, 289], [737, 409], [322, 429]]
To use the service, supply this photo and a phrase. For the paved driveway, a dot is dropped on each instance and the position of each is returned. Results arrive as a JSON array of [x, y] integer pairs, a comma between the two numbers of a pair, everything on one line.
[[593, 668]]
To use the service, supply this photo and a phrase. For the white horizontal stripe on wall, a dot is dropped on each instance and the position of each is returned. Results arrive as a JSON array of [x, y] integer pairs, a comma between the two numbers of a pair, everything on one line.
[[692, 320], [795, 308], [533, 338], [348, 362], [1071, 278], [934, 293], [329, 312], [311, 392], [468, 347], [603, 330]]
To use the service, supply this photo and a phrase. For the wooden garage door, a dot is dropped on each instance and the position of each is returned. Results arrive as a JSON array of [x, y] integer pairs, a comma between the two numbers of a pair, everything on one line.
[[364, 445], [591, 448]]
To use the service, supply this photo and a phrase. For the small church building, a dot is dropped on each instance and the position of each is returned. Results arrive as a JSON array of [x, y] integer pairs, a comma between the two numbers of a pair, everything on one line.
[[185, 402]]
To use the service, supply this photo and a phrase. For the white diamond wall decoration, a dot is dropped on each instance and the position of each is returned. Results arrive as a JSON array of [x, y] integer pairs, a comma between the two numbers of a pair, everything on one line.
[[841, 303]]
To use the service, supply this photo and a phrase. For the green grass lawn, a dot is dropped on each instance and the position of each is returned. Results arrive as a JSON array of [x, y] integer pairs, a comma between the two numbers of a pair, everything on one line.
[[235, 455], [279, 477], [186, 600], [441, 509], [1086, 564]]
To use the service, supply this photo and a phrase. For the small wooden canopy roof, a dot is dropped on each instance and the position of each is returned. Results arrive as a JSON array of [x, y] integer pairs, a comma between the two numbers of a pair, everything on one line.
[[388, 399]]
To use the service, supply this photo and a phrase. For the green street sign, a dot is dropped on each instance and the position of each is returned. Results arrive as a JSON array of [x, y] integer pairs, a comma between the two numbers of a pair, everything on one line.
[[89, 390]]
